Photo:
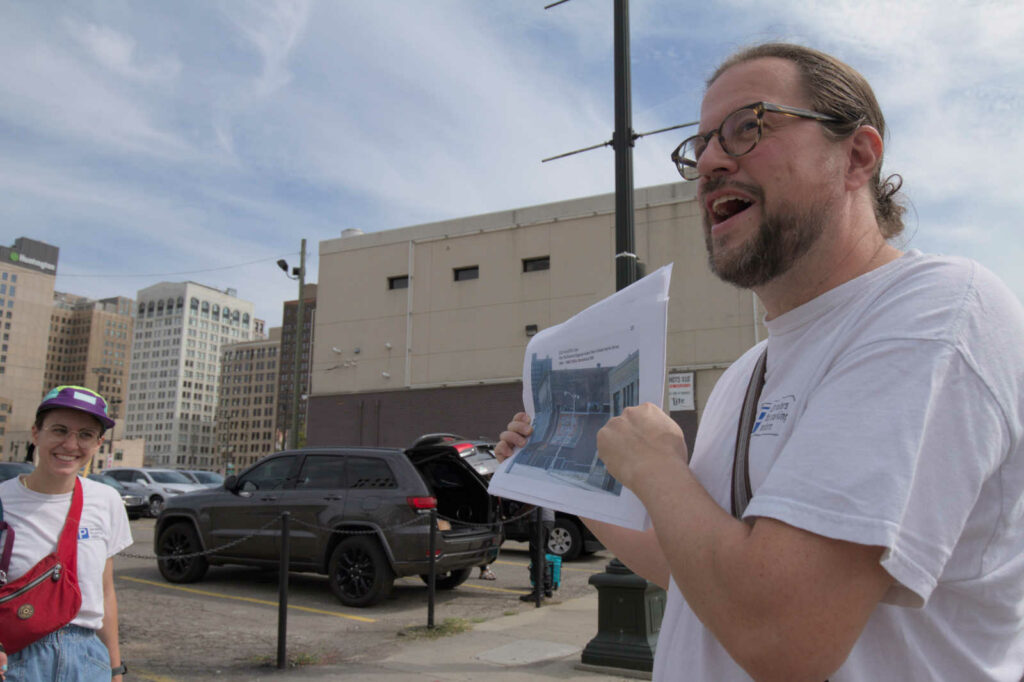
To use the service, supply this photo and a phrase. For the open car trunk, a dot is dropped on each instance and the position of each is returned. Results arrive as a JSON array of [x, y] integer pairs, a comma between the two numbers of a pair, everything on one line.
[[461, 492]]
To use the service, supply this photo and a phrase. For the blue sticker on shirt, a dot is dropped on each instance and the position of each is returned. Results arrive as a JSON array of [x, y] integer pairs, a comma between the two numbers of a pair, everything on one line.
[[83, 533]]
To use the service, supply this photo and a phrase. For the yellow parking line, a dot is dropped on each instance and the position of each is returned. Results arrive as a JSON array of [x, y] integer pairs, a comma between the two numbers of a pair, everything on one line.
[[564, 567], [488, 588], [409, 581], [264, 602]]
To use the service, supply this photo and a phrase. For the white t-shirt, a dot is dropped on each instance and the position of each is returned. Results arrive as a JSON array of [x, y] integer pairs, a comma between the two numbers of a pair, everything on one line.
[[38, 519], [892, 415]]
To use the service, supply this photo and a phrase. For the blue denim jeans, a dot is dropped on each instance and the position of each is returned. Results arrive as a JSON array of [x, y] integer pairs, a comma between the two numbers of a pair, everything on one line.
[[71, 654]]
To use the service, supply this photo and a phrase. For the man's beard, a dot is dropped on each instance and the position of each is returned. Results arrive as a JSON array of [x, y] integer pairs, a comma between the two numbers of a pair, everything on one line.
[[781, 239]]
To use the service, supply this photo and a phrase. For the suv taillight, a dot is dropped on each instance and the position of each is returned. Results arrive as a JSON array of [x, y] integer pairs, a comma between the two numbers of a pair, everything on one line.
[[422, 502]]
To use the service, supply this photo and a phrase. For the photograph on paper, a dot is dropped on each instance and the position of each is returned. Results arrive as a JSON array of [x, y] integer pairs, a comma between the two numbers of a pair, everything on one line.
[[576, 376]]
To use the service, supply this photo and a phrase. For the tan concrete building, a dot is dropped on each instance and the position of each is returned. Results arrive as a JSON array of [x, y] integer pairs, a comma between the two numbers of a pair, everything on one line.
[[90, 345], [247, 407], [28, 270], [423, 329]]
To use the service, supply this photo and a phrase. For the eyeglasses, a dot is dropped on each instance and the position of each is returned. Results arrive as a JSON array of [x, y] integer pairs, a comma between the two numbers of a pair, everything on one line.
[[738, 135], [86, 437]]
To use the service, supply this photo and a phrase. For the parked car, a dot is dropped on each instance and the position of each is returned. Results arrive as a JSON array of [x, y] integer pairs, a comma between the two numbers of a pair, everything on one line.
[[160, 484], [134, 502], [209, 479], [12, 469], [569, 538], [357, 515]]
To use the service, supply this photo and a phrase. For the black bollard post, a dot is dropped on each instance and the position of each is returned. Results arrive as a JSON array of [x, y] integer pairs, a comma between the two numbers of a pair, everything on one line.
[[433, 569], [538, 556], [282, 598]]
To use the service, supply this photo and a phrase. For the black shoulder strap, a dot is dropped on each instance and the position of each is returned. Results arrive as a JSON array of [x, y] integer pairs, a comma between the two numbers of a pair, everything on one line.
[[741, 492]]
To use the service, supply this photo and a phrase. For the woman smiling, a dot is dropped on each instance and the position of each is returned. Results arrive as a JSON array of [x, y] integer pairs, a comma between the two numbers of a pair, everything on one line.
[[67, 434]]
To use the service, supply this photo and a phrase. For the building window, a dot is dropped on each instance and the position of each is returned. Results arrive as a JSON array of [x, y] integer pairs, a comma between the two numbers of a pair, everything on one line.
[[402, 282], [535, 264], [462, 274]]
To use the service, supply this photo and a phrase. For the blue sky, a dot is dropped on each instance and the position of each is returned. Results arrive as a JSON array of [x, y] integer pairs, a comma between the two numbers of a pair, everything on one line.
[[202, 140]]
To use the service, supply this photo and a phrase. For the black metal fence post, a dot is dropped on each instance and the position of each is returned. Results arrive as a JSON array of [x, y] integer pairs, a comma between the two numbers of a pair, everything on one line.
[[282, 599], [433, 568], [538, 555]]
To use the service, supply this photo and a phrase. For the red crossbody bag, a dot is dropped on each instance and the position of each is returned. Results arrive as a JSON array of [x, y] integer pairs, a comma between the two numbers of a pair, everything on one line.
[[47, 597]]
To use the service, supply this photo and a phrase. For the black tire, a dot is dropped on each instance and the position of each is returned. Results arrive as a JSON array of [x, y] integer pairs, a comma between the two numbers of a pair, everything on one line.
[[359, 572], [156, 505], [565, 539], [449, 580], [180, 539]]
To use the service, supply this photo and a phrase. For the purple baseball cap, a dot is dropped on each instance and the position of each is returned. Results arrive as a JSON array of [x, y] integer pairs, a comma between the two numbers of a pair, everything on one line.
[[77, 398]]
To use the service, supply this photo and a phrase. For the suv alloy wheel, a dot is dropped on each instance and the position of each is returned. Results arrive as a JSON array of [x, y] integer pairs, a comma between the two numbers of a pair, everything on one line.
[[359, 572], [179, 539]]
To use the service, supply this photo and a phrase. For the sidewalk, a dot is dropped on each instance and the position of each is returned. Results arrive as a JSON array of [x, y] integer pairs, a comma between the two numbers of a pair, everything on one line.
[[532, 644]]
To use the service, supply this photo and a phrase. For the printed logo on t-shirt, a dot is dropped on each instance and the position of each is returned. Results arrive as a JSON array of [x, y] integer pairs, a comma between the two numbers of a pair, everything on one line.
[[772, 416], [86, 533]]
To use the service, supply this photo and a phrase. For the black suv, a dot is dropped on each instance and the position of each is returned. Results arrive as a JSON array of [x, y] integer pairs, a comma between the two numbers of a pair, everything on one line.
[[356, 516]]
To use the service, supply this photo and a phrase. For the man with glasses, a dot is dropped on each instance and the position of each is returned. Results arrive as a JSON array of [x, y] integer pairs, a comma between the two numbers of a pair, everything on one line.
[[884, 539]]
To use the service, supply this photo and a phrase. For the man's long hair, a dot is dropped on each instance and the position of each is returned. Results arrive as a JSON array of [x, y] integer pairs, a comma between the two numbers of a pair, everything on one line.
[[836, 89]]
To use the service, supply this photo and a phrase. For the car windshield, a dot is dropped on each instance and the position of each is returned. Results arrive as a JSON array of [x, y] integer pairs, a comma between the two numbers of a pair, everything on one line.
[[12, 469], [169, 477], [208, 477], [112, 482]]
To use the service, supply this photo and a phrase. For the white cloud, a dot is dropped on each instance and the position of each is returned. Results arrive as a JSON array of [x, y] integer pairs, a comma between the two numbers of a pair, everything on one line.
[[209, 134], [273, 27], [117, 52]]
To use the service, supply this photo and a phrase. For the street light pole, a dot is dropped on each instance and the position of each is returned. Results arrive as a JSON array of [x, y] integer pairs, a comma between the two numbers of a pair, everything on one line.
[[629, 606]]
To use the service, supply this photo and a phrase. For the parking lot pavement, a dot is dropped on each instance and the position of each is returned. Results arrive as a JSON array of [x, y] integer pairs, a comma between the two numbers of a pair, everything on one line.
[[225, 627]]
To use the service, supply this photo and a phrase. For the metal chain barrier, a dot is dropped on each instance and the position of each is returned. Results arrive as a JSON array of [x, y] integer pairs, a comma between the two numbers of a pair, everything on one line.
[[193, 555]]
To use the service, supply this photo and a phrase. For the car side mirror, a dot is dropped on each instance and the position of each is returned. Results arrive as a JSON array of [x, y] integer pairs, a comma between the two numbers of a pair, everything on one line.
[[229, 483]]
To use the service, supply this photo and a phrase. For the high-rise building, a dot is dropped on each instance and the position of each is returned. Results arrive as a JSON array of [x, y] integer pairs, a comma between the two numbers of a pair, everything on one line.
[[180, 328], [90, 345], [286, 377], [28, 270], [248, 402]]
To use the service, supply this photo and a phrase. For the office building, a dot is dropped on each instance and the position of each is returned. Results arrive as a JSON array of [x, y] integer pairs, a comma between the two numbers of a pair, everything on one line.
[[247, 409], [286, 376], [90, 345], [28, 270], [180, 329]]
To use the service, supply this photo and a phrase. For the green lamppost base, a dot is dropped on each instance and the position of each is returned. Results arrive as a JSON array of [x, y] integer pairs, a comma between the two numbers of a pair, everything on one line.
[[629, 612]]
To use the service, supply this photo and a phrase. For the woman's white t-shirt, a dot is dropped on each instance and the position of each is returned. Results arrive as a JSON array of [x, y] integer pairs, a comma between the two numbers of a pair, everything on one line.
[[38, 519]]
